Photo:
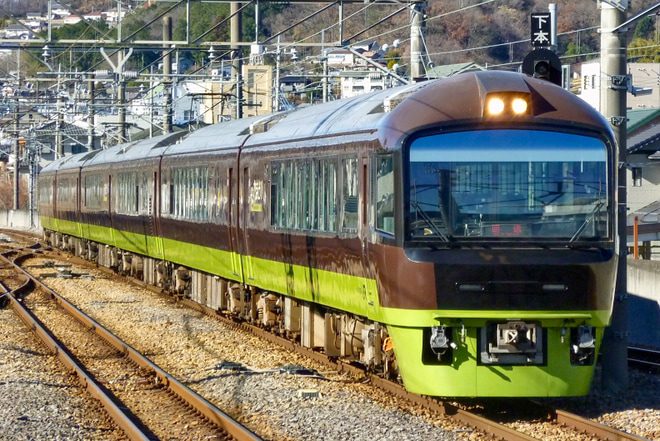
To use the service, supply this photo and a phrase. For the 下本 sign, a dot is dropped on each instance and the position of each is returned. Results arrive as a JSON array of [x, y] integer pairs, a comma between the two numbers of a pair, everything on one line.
[[541, 27]]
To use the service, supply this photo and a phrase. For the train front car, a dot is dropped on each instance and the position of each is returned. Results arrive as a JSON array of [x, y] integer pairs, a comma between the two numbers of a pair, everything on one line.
[[496, 258]]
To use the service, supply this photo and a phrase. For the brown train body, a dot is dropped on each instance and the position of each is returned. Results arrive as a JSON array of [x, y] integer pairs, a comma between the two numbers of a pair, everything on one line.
[[318, 208]]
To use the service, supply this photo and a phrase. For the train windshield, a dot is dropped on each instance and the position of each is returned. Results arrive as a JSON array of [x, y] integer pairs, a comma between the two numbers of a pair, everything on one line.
[[508, 184]]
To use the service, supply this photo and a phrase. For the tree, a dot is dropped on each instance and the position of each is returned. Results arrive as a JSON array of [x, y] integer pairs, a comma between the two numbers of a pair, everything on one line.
[[644, 51]]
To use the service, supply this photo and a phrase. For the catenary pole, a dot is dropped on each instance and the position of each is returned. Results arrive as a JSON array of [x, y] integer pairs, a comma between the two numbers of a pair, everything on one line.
[[613, 97]]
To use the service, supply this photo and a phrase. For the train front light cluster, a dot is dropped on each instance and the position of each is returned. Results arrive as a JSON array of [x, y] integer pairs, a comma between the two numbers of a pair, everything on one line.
[[506, 104]]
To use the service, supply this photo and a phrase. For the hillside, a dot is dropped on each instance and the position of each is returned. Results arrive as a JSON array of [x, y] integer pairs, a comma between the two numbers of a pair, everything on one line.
[[489, 32]]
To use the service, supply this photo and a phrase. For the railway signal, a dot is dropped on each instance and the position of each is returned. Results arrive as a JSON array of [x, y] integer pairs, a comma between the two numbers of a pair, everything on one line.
[[543, 64]]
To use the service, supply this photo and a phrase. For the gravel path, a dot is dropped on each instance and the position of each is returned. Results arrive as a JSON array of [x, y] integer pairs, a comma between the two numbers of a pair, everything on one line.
[[38, 399]]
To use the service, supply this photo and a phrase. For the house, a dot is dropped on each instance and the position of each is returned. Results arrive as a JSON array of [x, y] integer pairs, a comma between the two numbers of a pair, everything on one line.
[[450, 70], [59, 11], [16, 31], [644, 77]]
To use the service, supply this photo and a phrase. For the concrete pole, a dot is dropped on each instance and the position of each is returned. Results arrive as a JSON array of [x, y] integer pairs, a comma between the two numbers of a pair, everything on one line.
[[613, 90], [236, 62], [325, 78], [167, 80], [16, 126], [278, 55], [17, 157], [552, 8], [417, 27], [91, 114], [121, 104], [59, 123]]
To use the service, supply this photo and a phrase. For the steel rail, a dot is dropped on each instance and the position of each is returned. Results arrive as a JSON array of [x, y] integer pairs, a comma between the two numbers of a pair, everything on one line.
[[460, 415], [593, 427], [199, 403], [121, 418], [634, 354]]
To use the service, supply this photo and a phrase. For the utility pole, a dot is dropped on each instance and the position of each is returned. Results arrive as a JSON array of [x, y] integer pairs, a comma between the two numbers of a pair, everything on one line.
[[17, 158], [236, 62], [167, 71], [417, 29], [121, 98], [278, 56], [613, 95], [16, 124], [90, 112]]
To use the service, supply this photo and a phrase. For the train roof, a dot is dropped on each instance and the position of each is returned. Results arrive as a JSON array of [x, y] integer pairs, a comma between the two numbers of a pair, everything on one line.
[[389, 114], [137, 150]]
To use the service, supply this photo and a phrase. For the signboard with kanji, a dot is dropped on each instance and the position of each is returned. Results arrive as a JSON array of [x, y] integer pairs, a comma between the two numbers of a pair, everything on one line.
[[541, 27]]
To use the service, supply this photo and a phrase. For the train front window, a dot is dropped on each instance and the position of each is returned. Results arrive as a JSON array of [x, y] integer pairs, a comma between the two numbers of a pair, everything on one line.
[[508, 184]]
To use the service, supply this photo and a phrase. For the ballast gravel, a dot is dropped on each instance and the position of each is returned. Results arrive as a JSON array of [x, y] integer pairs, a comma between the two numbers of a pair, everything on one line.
[[275, 405], [279, 406], [39, 400]]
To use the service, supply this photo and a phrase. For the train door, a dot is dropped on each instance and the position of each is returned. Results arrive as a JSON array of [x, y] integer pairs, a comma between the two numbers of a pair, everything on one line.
[[364, 231], [78, 211], [245, 211], [233, 224], [112, 230], [154, 219]]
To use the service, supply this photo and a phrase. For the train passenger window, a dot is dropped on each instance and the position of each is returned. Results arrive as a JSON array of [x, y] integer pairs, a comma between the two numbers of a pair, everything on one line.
[[326, 188], [189, 193], [385, 194], [144, 194], [303, 194], [127, 197], [45, 191], [94, 191], [350, 195]]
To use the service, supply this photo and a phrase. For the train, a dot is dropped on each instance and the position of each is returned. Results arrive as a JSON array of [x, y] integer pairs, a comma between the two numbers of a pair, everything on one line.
[[457, 235]]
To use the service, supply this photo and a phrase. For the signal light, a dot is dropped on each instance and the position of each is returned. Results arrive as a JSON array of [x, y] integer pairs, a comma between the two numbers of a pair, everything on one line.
[[543, 64], [542, 69]]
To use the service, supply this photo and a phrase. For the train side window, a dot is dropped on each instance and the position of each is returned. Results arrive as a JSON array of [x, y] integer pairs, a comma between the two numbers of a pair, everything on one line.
[[93, 191], [350, 195], [305, 189], [127, 200], [385, 194], [326, 188], [275, 194]]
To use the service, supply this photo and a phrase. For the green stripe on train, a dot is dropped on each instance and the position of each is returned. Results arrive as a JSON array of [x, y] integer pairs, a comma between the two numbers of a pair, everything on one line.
[[353, 294]]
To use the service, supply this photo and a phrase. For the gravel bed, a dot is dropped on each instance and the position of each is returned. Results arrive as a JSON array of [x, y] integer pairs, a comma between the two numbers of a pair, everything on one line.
[[275, 405], [39, 400], [192, 346], [635, 410]]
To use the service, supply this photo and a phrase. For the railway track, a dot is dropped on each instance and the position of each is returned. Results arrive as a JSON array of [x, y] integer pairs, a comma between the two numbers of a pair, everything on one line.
[[644, 357], [143, 400], [568, 422]]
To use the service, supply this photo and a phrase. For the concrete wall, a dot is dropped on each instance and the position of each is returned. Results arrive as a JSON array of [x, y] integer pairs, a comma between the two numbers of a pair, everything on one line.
[[644, 278], [19, 220], [644, 303]]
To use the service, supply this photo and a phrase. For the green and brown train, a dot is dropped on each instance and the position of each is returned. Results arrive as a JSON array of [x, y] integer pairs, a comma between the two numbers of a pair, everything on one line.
[[458, 234]]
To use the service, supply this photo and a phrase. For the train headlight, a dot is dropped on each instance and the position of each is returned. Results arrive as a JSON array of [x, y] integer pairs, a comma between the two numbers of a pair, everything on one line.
[[519, 106], [495, 106], [505, 104]]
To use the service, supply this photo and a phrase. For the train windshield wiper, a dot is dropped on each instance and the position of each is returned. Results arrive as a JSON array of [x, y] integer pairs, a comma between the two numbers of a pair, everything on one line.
[[432, 225], [587, 221]]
